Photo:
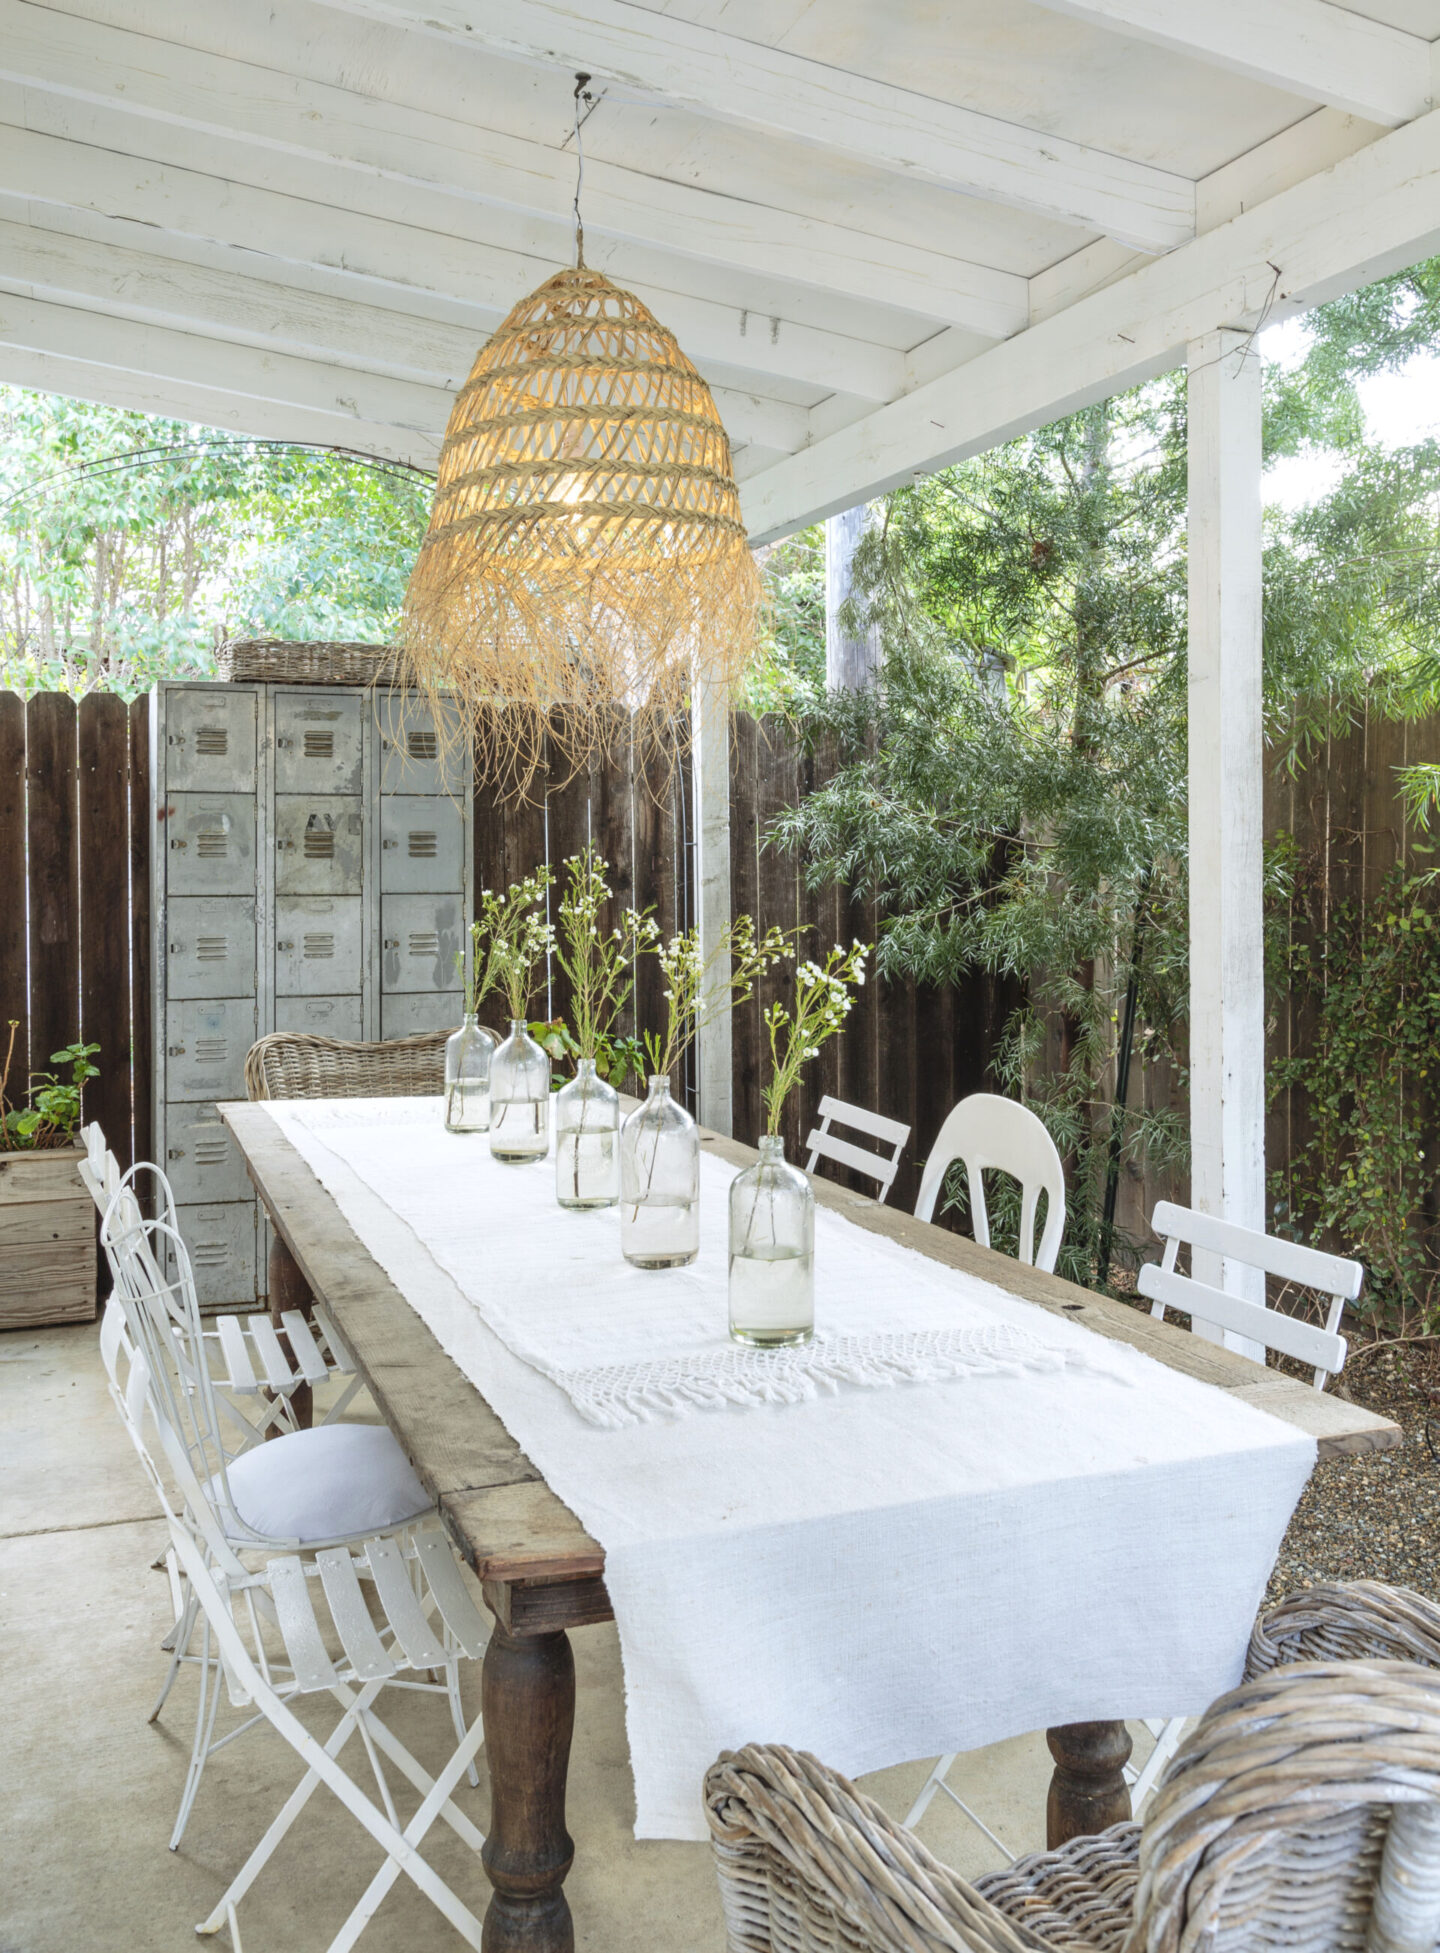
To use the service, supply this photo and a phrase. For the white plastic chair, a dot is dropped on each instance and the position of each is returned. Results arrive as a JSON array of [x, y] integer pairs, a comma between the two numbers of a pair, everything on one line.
[[246, 1356], [985, 1130], [875, 1166], [982, 1131], [394, 1603]]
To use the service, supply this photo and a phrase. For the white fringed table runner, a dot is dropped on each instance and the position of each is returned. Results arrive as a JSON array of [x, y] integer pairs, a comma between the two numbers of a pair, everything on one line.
[[1034, 1525]]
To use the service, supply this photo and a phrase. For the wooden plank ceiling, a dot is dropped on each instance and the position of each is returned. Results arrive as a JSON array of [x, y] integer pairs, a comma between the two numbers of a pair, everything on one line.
[[300, 220]]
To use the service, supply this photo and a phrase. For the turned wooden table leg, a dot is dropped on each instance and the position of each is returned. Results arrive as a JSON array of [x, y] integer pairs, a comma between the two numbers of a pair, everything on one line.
[[529, 1704], [1088, 1791], [289, 1290]]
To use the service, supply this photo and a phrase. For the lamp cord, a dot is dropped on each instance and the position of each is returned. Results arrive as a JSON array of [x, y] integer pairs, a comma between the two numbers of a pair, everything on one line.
[[581, 85]]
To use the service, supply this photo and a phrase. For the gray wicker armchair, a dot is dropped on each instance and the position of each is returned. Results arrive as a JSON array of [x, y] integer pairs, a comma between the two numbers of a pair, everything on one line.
[[1269, 1829], [300, 1065], [1302, 1813]]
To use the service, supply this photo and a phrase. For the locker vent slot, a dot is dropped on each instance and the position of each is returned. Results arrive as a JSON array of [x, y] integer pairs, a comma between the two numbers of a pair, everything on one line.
[[319, 945], [423, 846], [319, 841], [210, 1152], [211, 844], [421, 744], [211, 949], [319, 745], [212, 1051], [424, 942], [209, 1254], [212, 741]]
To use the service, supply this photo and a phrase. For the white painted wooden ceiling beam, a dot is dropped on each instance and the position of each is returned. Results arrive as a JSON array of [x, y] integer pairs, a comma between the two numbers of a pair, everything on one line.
[[295, 225], [1307, 47], [263, 420], [274, 318], [1369, 216], [152, 77], [733, 80]]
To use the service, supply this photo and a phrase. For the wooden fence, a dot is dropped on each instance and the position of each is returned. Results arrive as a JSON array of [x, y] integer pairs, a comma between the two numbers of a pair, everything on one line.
[[74, 919], [74, 925]]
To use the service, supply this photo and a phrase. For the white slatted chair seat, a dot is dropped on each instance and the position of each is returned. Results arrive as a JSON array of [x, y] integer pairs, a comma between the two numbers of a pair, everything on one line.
[[245, 1355], [880, 1167]]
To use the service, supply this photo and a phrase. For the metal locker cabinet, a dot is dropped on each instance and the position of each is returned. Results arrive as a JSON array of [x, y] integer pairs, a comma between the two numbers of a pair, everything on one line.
[[202, 1160], [206, 1041], [272, 883]]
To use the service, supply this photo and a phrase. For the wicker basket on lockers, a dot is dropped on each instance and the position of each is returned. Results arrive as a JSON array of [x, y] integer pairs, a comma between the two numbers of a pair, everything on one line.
[[273, 660]]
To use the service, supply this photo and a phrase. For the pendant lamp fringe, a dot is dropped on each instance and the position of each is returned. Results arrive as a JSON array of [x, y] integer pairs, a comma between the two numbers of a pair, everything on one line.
[[586, 553]]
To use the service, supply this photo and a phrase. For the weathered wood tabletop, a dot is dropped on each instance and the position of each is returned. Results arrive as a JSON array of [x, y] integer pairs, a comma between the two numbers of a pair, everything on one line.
[[543, 1574]]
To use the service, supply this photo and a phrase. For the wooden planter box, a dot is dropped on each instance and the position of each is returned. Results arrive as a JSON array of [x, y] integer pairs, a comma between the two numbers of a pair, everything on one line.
[[47, 1240]]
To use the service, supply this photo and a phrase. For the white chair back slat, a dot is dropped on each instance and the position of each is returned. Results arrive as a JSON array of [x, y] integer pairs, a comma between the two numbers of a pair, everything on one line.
[[447, 1584], [1289, 1261], [303, 1347], [823, 1144], [423, 1649], [299, 1629], [1288, 1334], [983, 1131], [348, 1609]]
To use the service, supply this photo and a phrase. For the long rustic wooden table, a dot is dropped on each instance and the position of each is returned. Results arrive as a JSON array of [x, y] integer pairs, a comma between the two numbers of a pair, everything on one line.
[[541, 1572]]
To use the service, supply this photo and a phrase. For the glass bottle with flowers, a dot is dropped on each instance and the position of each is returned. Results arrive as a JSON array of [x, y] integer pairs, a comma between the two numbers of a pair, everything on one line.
[[659, 1142], [470, 1051], [600, 964], [772, 1209], [519, 937]]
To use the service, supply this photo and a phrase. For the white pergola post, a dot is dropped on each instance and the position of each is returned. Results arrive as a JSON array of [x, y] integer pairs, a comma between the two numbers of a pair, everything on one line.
[[850, 661], [710, 760], [1226, 748]]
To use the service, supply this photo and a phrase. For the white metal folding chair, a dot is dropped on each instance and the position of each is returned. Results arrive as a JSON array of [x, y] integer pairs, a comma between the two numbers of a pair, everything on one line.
[[349, 1621], [880, 1167], [1333, 1276], [982, 1131], [987, 1131], [245, 1354]]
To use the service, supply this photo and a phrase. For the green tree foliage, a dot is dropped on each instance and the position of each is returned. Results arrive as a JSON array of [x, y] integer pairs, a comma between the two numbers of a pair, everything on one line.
[[130, 545], [788, 674]]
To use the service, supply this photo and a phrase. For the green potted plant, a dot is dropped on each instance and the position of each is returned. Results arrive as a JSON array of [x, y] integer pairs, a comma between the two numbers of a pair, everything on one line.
[[47, 1222]]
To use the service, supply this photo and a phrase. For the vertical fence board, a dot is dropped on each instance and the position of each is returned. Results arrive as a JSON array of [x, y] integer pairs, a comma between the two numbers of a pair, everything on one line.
[[14, 989], [142, 1023], [611, 828], [745, 900], [104, 923], [567, 829], [54, 892]]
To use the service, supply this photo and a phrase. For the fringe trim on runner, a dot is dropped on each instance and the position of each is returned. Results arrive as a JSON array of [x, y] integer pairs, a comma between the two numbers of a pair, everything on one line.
[[618, 1394]]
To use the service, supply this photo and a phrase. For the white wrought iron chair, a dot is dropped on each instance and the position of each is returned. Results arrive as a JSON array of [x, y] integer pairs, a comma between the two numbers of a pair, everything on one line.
[[987, 1131], [880, 1166], [983, 1131], [256, 1375], [395, 1604], [1325, 1348]]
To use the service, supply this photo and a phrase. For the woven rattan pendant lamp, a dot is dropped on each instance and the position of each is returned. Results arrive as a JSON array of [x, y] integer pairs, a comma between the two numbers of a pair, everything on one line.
[[585, 564]]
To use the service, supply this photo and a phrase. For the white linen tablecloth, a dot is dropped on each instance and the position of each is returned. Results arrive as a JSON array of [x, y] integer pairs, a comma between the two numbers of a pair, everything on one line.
[[872, 1574]]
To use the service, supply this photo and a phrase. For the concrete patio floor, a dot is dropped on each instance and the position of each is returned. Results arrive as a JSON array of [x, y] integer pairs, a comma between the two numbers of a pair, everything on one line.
[[89, 1791]]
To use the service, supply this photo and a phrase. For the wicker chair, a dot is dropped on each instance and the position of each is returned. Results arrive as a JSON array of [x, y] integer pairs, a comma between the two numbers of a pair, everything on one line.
[[1303, 1813], [298, 1065], [1084, 1892]]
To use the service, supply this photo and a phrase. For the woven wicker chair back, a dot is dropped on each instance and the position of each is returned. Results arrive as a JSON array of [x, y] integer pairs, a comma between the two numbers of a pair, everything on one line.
[[299, 1065], [1350, 1620]]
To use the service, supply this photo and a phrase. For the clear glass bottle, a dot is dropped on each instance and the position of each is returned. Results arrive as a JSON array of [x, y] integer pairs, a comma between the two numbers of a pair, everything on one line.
[[587, 1140], [772, 1251], [660, 1182], [519, 1098], [468, 1056]]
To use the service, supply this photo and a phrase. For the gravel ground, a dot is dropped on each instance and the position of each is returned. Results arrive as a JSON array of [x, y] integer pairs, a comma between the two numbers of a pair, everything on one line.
[[1375, 1516]]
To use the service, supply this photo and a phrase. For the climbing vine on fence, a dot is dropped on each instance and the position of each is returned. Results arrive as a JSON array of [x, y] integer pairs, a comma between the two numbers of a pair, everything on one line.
[[1364, 1180]]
